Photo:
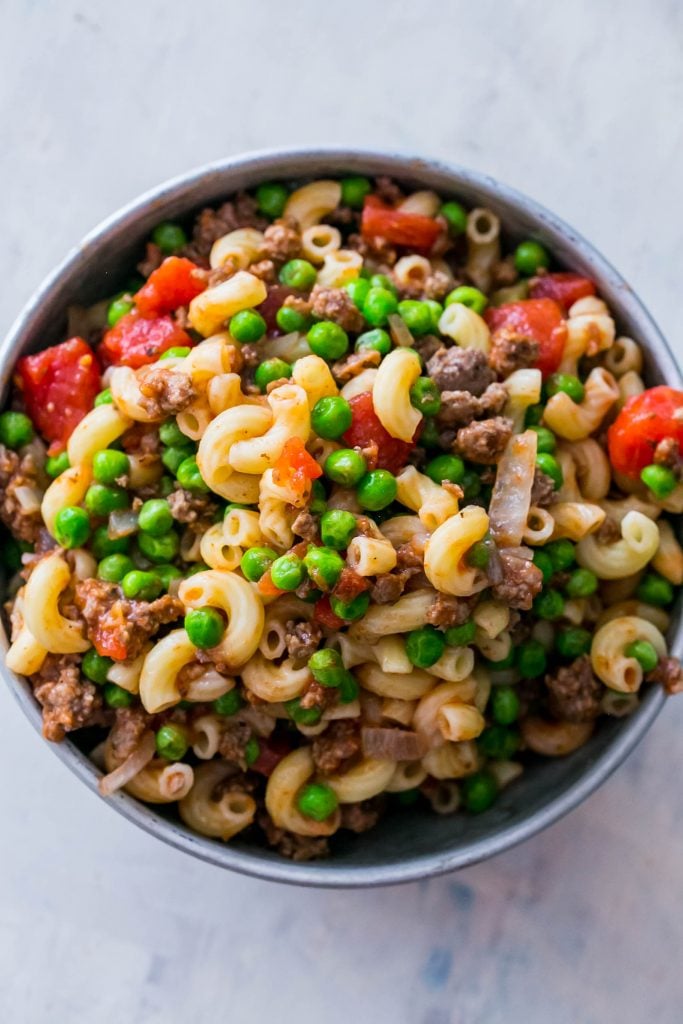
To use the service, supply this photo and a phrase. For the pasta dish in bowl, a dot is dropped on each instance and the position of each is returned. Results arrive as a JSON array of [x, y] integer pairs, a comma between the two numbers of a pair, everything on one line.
[[340, 516]]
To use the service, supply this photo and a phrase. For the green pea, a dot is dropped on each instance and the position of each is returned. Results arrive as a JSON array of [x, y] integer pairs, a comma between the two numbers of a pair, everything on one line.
[[455, 215], [654, 589], [531, 659], [115, 696], [169, 237], [252, 751], [425, 396], [417, 316], [167, 573], [424, 646], [189, 477], [545, 440], [141, 586], [228, 703], [644, 653], [468, 296], [56, 464], [255, 562], [317, 801], [95, 666], [581, 583], [155, 517], [271, 198], [479, 554], [354, 190], [159, 549], [117, 309], [429, 438], [72, 527], [345, 466], [572, 642], [471, 485], [328, 340], [529, 256], [376, 340], [376, 490], [109, 465], [287, 572], [660, 480], [326, 667], [499, 743], [103, 545], [271, 370], [171, 434], [350, 610], [101, 500], [445, 467], [461, 636], [194, 569], [358, 291], [114, 567], [436, 310], [318, 501], [299, 274], [337, 527], [562, 554], [302, 716], [247, 326], [204, 627], [171, 742], [549, 465], [379, 304], [104, 398], [549, 604], [348, 688], [176, 352], [324, 566], [331, 416], [479, 792], [16, 429], [289, 320], [543, 562], [173, 456], [533, 415], [383, 281], [565, 383], [505, 703]]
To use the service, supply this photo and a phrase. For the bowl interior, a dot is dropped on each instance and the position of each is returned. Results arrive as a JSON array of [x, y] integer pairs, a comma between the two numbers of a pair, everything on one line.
[[414, 843]]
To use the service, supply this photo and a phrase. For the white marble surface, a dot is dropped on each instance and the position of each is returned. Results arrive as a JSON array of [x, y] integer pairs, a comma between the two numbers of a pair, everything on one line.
[[578, 105]]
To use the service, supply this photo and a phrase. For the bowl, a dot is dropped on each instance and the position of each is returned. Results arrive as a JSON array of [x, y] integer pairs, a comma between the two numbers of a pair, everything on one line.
[[414, 844]]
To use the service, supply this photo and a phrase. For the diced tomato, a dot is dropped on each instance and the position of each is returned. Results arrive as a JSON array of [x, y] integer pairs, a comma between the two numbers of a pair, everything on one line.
[[266, 587], [109, 643], [323, 614], [271, 752], [175, 283], [59, 386], [398, 226], [367, 429], [644, 421], [277, 293], [564, 288], [540, 319], [295, 468], [137, 340]]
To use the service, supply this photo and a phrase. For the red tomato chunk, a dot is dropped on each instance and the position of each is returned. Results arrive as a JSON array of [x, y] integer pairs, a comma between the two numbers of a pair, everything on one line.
[[59, 387], [271, 752], [644, 421], [564, 288], [324, 615], [366, 430], [175, 283], [540, 319], [137, 340], [296, 468], [398, 226]]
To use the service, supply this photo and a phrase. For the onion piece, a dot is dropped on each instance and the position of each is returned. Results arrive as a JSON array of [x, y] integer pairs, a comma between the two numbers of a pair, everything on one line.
[[511, 498], [122, 522], [28, 497], [393, 744], [134, 763], [400, 333]]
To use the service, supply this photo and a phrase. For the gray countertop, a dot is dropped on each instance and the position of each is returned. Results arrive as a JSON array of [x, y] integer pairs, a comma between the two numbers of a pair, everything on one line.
[[577, 105]]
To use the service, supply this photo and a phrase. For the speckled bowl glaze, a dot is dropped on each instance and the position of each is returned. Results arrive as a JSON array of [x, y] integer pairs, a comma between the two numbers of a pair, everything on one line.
[[416, 843]]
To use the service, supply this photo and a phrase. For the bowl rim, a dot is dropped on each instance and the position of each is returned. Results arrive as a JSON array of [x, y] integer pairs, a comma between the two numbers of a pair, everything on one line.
[[400, 164]]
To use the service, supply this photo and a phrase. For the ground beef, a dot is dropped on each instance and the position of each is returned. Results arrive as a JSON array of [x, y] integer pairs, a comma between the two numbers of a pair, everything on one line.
[[265, 270], [574, 692], [302, 639], [521, 581], [306, 525], [542, 490], [435, 286], [19, 471], [447, 611], [153, 259], [336, 304], [427, 345], [504, 272], [409, 556], [165, 391], [669, 674], [317, 696], [511, 351], [68, 700], [608, 532], [459, 408], [187, 507], [349, 585], [387, 190], [281, 242], [233, 742], [667, 453], [460, 369], [141, 440], [105, 609], [380, 254], [335, 749], [361, 816], [344, 217], [289, 844], [353, 364], [211, 225], [484, 441], [130, 724], [388, 587]]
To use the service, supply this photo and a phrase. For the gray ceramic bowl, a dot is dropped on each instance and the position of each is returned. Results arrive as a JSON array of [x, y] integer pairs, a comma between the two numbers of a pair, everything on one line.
[[414, 844]]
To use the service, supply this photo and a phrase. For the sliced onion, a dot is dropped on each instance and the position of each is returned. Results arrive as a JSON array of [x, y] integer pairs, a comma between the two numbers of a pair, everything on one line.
[[122, 522], [28, 497], [393, 744], [134, 763], [511, 498], [400, 334]]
